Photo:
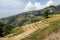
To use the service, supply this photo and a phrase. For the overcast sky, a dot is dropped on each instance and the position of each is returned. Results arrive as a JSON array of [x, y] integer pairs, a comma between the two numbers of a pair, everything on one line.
[[13, 7]]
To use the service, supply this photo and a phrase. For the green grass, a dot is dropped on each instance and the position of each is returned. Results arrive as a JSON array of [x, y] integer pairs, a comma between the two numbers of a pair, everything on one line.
[[16, 31], [42, 33]]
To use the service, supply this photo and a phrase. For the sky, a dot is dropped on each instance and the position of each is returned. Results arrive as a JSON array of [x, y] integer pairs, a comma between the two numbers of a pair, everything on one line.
[[13, 7]]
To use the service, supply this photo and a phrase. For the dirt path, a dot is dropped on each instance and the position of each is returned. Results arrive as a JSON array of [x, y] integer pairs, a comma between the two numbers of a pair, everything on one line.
[[23, 35], [28, 30], [33, 28]]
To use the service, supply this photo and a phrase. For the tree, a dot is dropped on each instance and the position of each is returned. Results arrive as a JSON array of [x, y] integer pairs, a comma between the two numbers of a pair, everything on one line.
[[5, 29], [46, 13]]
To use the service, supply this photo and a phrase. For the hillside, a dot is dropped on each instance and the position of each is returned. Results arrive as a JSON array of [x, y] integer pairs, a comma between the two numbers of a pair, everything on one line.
[[23, 18], [30, 25], [28, 29], [38, 30], [49, 33], [28, 17]]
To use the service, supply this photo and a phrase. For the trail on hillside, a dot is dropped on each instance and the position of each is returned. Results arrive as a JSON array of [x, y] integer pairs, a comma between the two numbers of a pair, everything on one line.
[[30, 29], [33, 28]]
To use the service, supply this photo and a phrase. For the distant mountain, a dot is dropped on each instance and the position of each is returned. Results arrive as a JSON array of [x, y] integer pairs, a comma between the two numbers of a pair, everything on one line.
[[28, 17]]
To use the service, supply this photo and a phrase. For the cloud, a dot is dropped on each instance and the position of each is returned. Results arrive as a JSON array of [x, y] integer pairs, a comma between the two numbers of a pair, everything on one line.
[[37, 5], [56, 2], [28, 7], [50, 2]]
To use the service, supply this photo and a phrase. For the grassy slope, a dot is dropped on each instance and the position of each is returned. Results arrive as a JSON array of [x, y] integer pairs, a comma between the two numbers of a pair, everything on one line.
[[17, 31], [41, 24], [42, 33], [20, 30]]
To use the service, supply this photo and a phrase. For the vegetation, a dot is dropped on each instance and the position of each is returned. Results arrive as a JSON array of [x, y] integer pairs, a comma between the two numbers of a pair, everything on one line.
[[42, 33], [46, 13], [16, 31], [5, 29]]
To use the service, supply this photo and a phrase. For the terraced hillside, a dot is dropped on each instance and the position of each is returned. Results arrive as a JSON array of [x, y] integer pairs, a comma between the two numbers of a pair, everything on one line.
[[36, 30], [28, 29], [48, 33]]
